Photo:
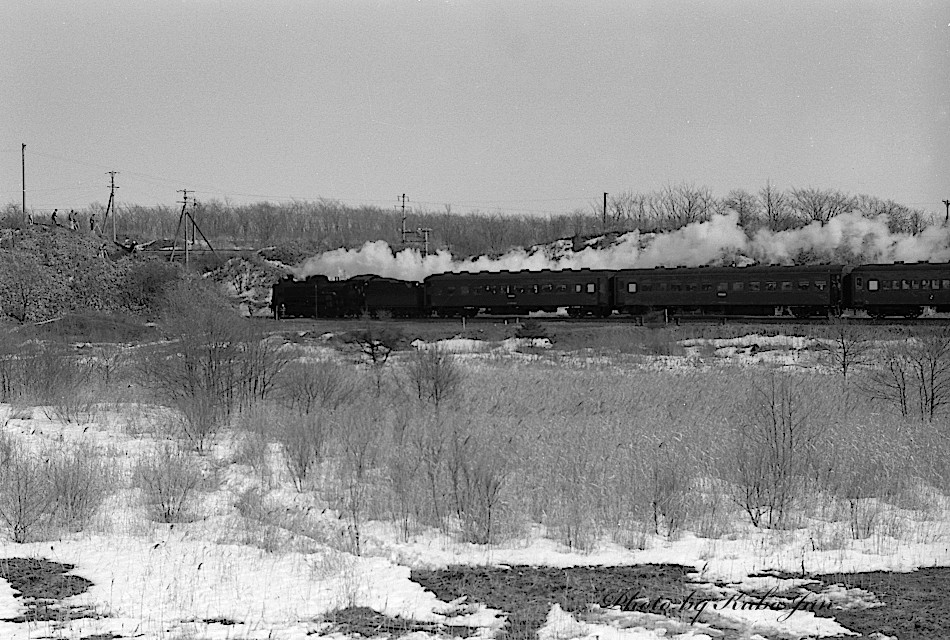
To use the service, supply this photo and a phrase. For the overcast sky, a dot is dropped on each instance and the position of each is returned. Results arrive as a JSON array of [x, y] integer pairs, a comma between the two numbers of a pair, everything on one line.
[[513, 106]]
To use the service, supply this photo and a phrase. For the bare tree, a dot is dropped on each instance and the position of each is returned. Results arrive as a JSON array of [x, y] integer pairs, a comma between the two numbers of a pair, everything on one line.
[[819, 205], [890, 380], [847, 347], [929, 358], [23, 285], [436, 375], [676, 207], [199, 370], [776, 440], [748, 207], [775, 208], [376, 342]]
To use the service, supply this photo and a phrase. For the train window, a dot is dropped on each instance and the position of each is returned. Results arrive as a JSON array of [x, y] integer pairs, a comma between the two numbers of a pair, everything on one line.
[[463, 290], [591, 287], [661, 286], [820, 285], [771, 286], [646, 286], [449, 291], [873, 284], [925, 284], [754, 286], [578, 288], [803, 285], [522, 289], [488, 288], [510, 289], [915, 284], [934, 284], [786, 285], [706, 286], [562, 288], [896, 285], [886, 285], [692, 286], [631, 287], [676, 286], [536, 288], [859, 283], [905, 284], [548, 288], [737, 286]]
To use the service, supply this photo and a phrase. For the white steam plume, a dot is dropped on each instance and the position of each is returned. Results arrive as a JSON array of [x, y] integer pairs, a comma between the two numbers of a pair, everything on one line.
[[846, 238]]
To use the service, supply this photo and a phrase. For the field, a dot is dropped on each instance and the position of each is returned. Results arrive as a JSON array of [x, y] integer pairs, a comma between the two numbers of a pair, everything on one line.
[[214, 478]]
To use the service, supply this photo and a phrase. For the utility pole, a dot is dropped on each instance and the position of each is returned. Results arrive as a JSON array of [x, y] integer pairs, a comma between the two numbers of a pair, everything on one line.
[[425, 238], [186, 218], [111, 205], [946, 203], [604, 227], [23, 174], [181, 219], [404, 230]]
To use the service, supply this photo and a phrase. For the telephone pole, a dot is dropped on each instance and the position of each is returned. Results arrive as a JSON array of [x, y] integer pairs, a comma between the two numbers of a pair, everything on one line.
[[111, 205], [404, 230], [604, 226], [23, 174], [183, 218], [946, 203]]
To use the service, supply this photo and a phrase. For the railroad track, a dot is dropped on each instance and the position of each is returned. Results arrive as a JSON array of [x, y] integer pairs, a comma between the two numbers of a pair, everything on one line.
[[646, 321]]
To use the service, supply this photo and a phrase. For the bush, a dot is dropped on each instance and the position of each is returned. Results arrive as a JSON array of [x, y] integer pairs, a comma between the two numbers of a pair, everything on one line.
[[308, 386], [199, 370], [147, 283], [169, 477], [303, 440], [25, 504], [775, 448], [79, 481], [435, 374]]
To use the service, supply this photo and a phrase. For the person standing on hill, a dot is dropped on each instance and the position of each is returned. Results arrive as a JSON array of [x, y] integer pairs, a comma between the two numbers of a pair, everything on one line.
[[92, 223], [72, 220], [53, 217]]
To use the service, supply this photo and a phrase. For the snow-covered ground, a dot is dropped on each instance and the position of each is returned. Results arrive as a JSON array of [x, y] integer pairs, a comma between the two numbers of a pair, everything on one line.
[[199, 580]]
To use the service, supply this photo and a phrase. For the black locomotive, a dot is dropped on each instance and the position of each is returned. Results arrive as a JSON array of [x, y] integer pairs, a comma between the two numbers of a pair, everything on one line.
[[881, 290]]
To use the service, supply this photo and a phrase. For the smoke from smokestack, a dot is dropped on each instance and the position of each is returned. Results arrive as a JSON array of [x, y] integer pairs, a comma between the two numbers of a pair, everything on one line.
[[848, 238]]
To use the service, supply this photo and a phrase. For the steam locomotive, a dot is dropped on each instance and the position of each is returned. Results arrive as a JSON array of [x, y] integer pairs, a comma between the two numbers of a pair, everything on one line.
[[881, 290]]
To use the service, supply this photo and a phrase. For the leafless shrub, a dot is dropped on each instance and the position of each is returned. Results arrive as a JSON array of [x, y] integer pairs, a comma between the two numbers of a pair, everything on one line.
[[478, 472], [198, 371], [847, 347], [308, 386], [261, 363], [303, 441], [25, 504], [775, 442], [890, 380], [669, 488], [169, 478], [376, 342], [914, 376], [360, 440], [435, 374], [80, 479]]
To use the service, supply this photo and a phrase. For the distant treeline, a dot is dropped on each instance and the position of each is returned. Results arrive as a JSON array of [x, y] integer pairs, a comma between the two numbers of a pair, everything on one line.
[[315, 226]]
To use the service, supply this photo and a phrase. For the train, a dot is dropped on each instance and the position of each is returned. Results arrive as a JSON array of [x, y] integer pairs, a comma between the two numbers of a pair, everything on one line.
[[880, 290]]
